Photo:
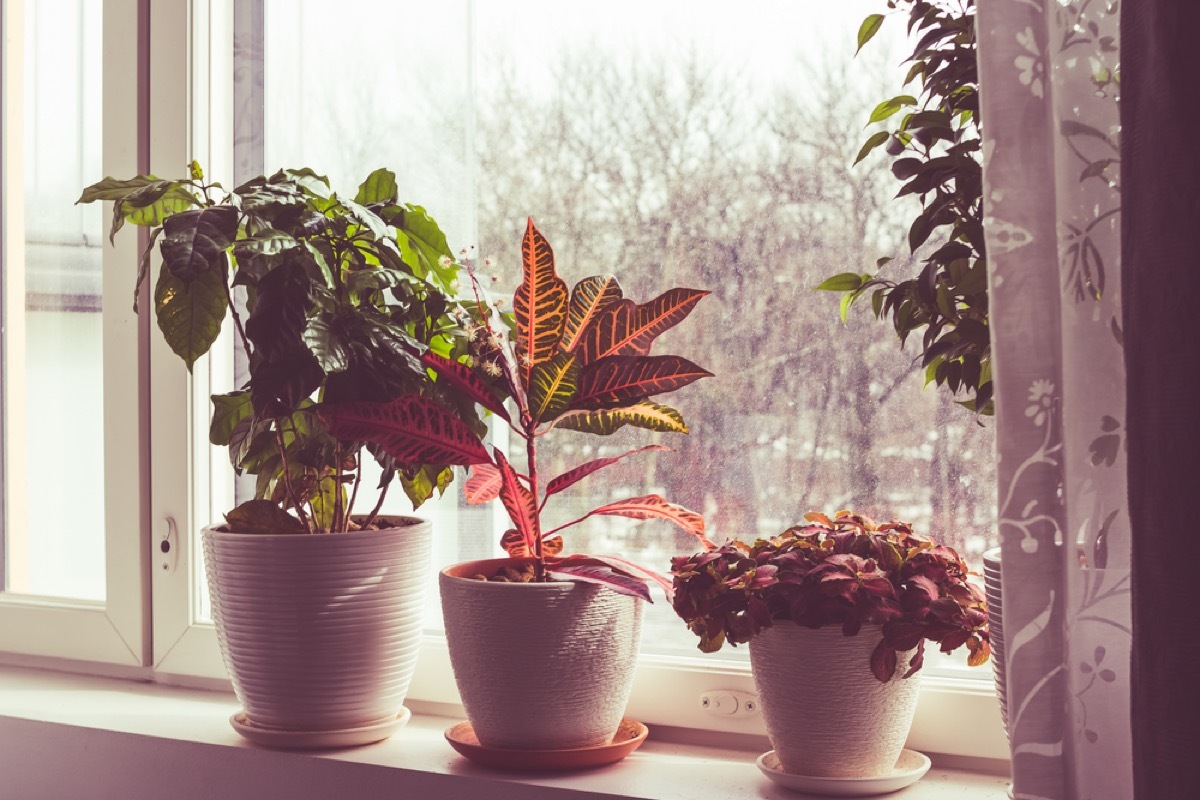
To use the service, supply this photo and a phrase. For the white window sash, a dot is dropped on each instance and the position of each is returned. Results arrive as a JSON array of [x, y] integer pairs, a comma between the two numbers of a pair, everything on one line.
[[113, 632]]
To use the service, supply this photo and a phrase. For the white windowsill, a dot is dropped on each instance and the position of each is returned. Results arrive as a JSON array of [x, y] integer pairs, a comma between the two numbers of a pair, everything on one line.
[[83, 736]]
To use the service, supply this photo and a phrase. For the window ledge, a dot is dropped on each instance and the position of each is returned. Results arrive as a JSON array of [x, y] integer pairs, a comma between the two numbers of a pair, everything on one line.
[[85, 736]]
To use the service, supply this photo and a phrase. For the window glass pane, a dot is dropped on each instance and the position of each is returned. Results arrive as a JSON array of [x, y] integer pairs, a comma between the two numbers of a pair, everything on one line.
[[54, 407], [699, 148]]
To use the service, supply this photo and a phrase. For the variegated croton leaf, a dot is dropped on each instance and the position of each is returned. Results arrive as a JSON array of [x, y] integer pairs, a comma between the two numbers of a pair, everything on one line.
[[411, 429], [539, 304]]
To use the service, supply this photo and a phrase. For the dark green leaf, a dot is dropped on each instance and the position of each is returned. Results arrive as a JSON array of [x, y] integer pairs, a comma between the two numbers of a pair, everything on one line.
[[190, 315], [228, 412], [195, 241], [324, 341], [262, 516], [113, 189]]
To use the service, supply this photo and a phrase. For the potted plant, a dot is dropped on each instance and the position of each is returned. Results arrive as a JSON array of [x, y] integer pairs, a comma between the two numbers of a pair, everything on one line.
[[839, 685], [576, 360], [318, 610]]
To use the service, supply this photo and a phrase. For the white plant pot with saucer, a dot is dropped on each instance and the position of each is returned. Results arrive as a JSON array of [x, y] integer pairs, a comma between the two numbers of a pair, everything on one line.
[[826, 714], [539, 666], [319, 632]]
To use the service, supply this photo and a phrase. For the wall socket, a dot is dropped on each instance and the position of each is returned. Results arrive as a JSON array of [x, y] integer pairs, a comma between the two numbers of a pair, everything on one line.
[[721, 703]]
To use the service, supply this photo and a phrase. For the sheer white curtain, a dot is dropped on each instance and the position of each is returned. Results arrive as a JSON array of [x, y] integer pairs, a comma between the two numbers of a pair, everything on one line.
[[1049, 89]]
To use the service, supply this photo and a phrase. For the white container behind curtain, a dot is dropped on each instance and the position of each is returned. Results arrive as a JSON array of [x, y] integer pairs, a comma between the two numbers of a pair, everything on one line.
[[1049, 92]]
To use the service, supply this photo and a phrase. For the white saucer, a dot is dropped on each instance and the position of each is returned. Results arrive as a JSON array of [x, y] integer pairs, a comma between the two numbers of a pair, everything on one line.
[[910, 768], [316, 740]]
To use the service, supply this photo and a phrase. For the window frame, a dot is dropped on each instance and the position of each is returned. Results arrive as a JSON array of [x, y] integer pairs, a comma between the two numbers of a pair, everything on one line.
[[112, 632]]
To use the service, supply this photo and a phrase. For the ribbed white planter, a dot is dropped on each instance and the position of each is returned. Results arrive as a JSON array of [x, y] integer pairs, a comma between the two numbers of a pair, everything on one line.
[[319, 632], [539, 665], [826, 714]]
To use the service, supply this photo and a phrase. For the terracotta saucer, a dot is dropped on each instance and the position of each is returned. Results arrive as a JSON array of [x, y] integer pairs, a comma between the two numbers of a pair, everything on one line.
[[317, 740], [630, 735]]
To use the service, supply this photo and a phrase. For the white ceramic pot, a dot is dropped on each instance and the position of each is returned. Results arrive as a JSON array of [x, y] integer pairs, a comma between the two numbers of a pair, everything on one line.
[[320, 632], [826, 714], [539, 665]]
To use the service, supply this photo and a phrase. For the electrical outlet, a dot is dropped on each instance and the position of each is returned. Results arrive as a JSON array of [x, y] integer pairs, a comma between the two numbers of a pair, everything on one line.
[[722, 703]]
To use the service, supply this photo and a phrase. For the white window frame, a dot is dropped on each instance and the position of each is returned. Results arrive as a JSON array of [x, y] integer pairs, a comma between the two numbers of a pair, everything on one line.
[[112, 632], [151, 618]]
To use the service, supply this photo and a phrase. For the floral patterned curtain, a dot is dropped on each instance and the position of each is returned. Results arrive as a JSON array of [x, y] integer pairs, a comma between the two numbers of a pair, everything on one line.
[[1049, 92]]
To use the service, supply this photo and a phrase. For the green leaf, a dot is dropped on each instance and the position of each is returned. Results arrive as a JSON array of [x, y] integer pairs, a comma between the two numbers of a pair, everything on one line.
[[144, 266], [324, 502], [844, 307], [874, 141], [870, 26], [228, 410], [262, 516], [844, 282], [190, 315], [367, 218], [113, 189], [150, 205], [306, 178], [430, 243], [379, 187], [889, 107]]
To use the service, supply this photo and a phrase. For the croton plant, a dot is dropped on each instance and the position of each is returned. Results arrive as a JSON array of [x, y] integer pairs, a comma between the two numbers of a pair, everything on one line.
[[577, 360], [846, 571]]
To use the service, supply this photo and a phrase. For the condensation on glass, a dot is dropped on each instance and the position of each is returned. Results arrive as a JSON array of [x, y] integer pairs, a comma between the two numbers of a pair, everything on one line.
[[695, 148], [52, 395]]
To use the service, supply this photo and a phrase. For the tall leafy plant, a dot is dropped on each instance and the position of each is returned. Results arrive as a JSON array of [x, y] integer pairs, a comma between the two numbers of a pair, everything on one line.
[[343, 298], [934, 150], [577, 360]]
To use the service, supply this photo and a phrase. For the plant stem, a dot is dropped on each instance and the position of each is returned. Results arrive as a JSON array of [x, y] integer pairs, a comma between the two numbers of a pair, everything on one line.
[[375, 510], [531, 453], [357, 483], [287, 480], [338, 512]]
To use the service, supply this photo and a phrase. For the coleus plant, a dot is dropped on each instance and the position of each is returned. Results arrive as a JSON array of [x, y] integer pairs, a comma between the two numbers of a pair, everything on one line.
[[343, 297], [848, 571], [577, 360]]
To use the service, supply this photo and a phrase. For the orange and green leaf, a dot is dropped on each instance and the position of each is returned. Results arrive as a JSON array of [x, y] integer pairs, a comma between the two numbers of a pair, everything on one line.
[[624, 328], [604, 422], [622, 380], [552, 386], [411, 429], [574, 476], [539, 304], [589, 297]]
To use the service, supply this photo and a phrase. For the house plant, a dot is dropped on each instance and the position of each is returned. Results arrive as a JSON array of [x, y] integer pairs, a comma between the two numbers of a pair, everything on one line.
[[837, 686], [318, 611], [577, 360], [935, 152]]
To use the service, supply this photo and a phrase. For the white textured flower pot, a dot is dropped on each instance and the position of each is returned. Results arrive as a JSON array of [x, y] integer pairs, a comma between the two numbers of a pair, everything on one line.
[[320, 632], [539, 665], [826, 714]]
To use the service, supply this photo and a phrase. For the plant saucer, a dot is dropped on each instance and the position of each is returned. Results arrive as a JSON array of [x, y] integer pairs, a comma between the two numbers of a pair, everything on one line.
[[317, 740], [630, 735], [910, 768]]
